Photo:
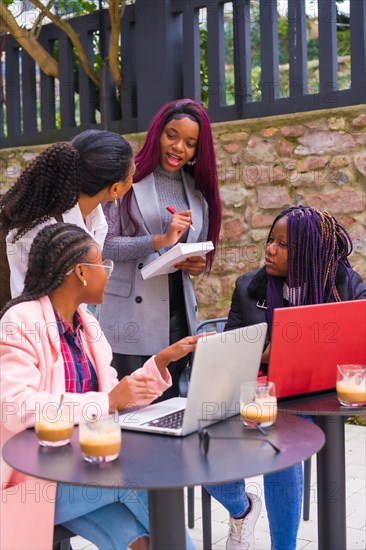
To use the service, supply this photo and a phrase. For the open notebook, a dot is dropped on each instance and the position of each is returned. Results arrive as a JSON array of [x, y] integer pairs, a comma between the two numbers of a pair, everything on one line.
[[164, 264], [222, 362]]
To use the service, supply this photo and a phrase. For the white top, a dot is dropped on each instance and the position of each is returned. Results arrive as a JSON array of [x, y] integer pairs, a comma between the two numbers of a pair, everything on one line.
[[18, 251]]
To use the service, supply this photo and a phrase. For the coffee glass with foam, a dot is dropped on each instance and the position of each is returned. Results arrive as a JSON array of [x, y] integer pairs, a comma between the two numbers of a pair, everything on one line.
[[351, 385], [100, 438], [54, 426], [258, 403]]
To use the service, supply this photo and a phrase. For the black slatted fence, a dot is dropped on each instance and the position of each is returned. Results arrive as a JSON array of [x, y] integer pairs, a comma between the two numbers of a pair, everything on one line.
[[161, 59]]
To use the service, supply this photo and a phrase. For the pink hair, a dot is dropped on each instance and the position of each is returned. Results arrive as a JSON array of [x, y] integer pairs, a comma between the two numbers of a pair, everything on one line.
[[203, 172]]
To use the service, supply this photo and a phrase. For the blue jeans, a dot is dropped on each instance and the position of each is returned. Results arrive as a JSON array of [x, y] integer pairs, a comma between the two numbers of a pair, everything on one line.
[[112, 519], [283, 497]]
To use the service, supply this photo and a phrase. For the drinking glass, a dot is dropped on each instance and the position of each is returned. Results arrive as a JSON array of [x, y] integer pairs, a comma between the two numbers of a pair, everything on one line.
[[53, 426], [100, 438], [351, 385], [258, 403]]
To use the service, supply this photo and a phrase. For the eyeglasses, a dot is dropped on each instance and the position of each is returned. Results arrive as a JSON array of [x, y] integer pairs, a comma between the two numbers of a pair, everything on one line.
[[204, 437], [107, 265]]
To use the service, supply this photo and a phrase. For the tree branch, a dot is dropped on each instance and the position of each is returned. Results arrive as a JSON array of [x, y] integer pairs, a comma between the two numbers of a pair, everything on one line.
[[46, 62], [115, 14], [69, 31], [37, 25], [4, 27]]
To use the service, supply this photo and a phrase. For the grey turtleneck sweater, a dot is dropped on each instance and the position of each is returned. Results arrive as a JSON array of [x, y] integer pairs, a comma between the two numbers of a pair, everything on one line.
[[170, 191]]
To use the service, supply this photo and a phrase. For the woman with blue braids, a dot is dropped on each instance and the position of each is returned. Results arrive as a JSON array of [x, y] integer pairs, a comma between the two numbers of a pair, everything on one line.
[[306, 262]]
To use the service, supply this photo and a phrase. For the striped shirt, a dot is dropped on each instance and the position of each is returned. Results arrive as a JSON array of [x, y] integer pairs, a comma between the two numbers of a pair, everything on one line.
[[80, 376]]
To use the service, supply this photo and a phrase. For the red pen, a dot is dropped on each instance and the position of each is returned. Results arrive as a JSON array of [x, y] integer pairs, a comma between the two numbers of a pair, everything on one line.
[[173, 211]]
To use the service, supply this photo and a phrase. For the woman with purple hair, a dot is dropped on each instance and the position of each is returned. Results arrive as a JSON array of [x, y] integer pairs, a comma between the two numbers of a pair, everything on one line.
[[175, 168], [306, 262]]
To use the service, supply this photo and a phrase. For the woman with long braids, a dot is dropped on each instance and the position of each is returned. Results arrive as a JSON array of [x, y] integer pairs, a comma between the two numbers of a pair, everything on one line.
[[306, 262], [66, 182], [176, 167], [66, 269]]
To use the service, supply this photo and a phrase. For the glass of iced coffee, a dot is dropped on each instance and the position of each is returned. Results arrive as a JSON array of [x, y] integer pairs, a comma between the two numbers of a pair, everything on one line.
[[53, 426], [100, 438], [351, 385], [258, 403]]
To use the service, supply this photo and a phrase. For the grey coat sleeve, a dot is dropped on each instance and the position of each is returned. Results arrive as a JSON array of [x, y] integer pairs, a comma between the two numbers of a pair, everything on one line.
[[118, 245]]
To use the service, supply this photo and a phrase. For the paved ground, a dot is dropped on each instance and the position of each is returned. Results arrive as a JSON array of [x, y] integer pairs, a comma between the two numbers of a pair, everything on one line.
[[307, 539]]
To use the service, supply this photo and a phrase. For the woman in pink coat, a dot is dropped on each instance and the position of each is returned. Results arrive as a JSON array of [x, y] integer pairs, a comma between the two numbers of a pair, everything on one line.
[[50, 347]]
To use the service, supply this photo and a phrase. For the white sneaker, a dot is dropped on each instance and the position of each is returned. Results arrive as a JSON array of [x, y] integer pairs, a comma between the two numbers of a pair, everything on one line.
[[241, 532]]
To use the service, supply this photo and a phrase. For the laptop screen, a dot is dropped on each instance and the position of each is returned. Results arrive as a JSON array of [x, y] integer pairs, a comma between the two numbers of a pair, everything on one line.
[[307, 343]]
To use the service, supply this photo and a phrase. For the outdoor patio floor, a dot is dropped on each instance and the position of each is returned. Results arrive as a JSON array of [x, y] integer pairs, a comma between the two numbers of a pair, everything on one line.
[[307, 537]]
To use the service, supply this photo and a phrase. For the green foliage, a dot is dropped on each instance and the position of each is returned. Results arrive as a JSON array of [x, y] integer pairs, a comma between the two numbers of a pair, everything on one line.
[[76, 7], [255, 36], [65, 7], [55, 49], [343, 41], [283, 39], [229, 58], [203, 66], [229, 44], [313, 49]]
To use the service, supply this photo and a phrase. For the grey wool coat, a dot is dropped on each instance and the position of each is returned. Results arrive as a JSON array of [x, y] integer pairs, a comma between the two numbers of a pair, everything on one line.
[[135, 313]]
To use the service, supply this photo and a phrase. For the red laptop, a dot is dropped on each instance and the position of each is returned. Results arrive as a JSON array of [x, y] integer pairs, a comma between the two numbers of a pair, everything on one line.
[[308, 342]]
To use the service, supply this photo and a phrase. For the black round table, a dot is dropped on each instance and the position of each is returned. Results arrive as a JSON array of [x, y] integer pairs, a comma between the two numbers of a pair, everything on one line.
[[329, 415], [165, 465]]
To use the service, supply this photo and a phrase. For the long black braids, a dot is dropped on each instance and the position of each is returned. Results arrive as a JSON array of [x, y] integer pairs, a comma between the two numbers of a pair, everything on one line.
[[48, 187], [53, 182], [56, 248]]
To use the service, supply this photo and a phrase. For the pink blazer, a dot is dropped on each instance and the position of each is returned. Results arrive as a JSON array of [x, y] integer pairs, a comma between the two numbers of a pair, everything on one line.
[[32, 375]]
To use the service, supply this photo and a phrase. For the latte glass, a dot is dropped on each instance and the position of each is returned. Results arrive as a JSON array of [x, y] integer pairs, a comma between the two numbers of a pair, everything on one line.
[[351, 385], [53, 427], [258, 403], [100, 438]]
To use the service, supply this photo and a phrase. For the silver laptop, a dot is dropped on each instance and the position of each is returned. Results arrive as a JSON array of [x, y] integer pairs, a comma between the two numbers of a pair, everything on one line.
[[222, 362]]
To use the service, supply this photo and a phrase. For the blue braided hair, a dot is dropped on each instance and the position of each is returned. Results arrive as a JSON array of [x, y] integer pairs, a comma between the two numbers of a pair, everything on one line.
[[317, 245]]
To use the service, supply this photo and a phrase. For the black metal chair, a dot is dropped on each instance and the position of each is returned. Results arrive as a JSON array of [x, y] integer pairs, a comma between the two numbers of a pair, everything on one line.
[[62, 538], [218, 325]]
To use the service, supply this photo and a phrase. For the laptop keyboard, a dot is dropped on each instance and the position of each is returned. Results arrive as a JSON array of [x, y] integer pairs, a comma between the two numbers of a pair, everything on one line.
[[172, 420]]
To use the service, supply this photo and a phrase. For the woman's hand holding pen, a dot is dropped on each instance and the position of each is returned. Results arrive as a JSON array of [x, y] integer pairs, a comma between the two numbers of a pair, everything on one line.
[[179, 223]]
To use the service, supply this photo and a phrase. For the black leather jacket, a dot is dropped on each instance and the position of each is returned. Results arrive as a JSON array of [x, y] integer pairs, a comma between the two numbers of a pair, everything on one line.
[[248, 304]]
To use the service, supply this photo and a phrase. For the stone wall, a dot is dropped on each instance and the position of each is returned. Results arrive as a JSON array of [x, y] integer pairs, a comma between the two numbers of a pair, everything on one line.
[[265, 165]]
